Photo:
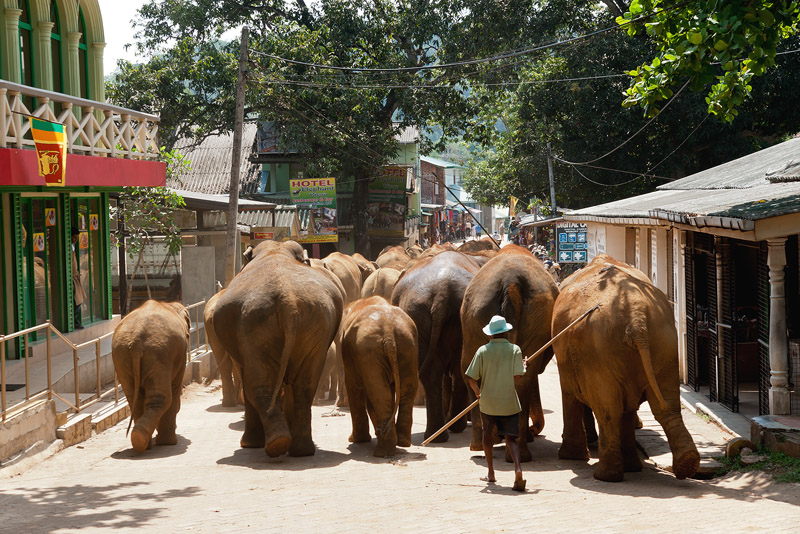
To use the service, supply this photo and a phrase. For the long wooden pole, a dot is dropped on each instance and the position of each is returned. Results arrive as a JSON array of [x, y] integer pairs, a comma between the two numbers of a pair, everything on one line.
[[236, 157], [532, 356]]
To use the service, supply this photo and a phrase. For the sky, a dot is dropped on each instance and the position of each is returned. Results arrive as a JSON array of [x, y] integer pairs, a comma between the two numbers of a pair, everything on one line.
[[117, 16]]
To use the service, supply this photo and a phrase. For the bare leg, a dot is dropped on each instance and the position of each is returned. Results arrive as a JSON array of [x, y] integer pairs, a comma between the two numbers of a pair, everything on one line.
[[488, 446], [513, 446]]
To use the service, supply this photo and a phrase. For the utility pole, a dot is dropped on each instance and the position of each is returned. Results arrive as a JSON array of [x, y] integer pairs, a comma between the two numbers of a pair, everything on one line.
[[552, 181], [236, 157]]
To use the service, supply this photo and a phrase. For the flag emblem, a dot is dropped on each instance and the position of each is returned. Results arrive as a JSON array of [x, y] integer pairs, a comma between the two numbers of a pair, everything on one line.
[[51, 150]]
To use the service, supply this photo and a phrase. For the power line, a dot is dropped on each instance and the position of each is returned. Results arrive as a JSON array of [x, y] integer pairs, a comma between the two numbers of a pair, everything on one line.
[[640, 130], [317, 85], [575, 168], [475, 61]]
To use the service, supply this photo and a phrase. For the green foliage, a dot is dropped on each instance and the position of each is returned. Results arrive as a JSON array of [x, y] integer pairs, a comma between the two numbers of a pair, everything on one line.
[[782, 467], [582, 120], [147, 212], [724, 45]]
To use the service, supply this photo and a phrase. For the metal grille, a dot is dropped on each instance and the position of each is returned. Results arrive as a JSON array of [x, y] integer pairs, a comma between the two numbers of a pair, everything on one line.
[[728, 393], [763, 331], [713, 350], [691, 322]]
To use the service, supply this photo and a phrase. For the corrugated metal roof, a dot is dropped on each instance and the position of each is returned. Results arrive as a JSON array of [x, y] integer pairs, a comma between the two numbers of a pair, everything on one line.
[[197, 200], [440, 162], [409, 134], [745, 172], [211, 164], [732, 195]]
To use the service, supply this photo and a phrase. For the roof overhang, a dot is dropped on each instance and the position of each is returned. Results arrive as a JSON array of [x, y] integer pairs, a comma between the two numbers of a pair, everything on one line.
[[203, 201]]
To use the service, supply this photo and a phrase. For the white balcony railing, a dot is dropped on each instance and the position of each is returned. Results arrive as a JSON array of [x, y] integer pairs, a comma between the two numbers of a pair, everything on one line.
[[92, 128]]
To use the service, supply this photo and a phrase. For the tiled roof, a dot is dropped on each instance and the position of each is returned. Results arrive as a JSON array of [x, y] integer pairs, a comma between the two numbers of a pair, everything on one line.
[[211, 164]]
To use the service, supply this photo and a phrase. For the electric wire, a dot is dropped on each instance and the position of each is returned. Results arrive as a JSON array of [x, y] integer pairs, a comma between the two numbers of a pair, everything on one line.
[[475, 61]]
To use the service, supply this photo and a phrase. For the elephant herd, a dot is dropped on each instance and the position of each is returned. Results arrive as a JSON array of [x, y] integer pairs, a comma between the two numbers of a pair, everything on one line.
[[414, 317]]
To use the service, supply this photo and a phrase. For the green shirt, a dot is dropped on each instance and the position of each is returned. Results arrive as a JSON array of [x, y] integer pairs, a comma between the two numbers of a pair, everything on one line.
[[495, 365]]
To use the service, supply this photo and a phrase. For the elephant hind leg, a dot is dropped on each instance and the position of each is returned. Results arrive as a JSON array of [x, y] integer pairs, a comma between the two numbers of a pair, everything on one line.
[[253, 437], [167, 423], [630, 454], [573, 443], [685, 458], [611, 467]]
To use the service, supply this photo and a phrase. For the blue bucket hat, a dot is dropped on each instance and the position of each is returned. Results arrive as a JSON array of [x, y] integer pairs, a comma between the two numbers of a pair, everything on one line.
[[497, 325]]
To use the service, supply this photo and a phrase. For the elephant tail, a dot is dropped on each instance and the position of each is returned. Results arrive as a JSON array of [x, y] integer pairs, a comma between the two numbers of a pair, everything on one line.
[[436, 332], [637, 333], [511, 308], [290, 333], [390, 349], [136, 369]]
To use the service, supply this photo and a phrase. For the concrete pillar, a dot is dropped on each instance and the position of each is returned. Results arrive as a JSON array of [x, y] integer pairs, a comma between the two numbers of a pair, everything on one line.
[[97, 86], [10, 49], [778, 342], [72, 75], [44, 57]]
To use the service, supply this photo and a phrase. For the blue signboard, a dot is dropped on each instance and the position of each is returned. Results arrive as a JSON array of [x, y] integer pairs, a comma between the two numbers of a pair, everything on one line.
[[572, 243]]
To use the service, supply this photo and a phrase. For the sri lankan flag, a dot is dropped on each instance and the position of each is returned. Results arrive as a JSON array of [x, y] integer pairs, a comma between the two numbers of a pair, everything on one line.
[[51, 150]]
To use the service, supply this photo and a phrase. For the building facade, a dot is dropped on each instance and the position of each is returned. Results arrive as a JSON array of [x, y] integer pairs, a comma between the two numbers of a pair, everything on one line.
[[723, 246], [51, 63]]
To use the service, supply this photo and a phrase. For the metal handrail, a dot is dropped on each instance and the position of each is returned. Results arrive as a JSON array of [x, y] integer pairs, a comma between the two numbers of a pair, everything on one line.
[[77, 405]]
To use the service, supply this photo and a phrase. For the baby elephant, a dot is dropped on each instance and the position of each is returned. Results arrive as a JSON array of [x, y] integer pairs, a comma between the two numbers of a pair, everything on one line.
[[379, 350], [149, 352]]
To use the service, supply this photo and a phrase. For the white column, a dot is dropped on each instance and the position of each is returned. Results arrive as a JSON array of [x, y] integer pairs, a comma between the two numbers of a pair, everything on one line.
[[10, 51], [778, 342], [44, 59]]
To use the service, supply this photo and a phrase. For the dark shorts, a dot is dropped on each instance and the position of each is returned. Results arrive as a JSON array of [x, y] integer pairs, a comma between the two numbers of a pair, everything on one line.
[[507, 425]]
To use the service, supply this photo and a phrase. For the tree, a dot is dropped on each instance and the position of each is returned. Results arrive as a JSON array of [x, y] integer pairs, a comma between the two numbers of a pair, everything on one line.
[[583, 121], [147, 213], [343, 119], [727, 44]]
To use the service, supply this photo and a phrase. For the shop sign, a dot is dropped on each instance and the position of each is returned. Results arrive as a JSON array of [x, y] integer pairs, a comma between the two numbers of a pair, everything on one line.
[[319, 194], [387, 203], [571, 243]]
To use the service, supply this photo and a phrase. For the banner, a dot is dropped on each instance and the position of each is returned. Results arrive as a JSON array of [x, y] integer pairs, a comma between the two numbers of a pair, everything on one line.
[[387, 203], [319, 194], [512, 207], [51, 150]]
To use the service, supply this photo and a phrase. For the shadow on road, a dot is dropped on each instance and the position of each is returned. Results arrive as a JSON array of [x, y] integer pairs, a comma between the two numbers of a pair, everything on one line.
[[61, 508], [156, 451]]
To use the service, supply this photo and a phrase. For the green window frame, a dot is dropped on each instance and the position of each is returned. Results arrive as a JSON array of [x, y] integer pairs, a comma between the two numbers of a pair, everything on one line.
[[83, 58], [26, 59], [55, 49]]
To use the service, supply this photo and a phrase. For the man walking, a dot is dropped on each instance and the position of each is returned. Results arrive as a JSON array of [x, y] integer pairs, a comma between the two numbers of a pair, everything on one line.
[[498, 365]]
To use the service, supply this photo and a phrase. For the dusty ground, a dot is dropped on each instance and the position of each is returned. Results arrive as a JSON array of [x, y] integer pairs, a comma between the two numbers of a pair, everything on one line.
[[208, 484]]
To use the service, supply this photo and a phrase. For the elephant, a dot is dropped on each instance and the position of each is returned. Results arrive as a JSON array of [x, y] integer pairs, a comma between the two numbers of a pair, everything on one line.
[[621, 354], [149, 349], [365, 266], [379, 350], [277, 319], [348, 273], [414, 251], [474, 245], [431, 292], [395, 257], [290, 248], [516, 285], [381, 282], [229, 372]]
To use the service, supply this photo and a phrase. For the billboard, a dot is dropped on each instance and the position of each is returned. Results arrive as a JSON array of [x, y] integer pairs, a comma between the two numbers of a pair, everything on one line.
[[571, 243], [319, 194], [387, 203]]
